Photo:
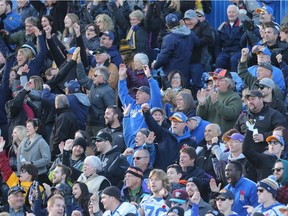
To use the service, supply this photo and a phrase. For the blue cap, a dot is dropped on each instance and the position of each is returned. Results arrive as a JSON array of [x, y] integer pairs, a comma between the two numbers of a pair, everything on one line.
[[73, 86], [179, 116], [171, 19], [265, 51], [108, 34], [71, 50], [265, 9]]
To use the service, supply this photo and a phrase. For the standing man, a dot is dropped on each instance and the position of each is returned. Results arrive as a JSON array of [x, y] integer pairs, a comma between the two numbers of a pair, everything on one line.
[[223, 106]]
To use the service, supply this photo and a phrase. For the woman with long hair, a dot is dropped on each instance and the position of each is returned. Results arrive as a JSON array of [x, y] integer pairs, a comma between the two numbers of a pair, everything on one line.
[[82, 196]]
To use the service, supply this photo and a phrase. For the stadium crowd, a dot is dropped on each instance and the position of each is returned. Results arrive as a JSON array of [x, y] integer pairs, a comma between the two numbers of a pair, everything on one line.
[[141, 107]]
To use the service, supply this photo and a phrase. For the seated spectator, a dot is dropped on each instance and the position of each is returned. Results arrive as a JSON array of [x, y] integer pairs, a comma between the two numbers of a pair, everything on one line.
[[180, 198], [267, 189], [114, 164], [224, 201], [90, 176], [185, 103], [279, 172], [159, 186], [16, 202], [174, 174], [229, 41], [135, 189], [91, 38], [141, 159], [82, 196], [197, 127]]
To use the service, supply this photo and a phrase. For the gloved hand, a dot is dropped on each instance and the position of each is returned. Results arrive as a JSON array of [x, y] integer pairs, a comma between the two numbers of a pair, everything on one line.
[[250, 124], [249, 25]]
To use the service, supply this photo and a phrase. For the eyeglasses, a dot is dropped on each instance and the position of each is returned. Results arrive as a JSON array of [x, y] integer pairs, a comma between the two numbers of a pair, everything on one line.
[[96, 75], [274, 142], [221, 198], [179, 99], [91, 30], [260, 190], [261, 87], [176, 78], [138, 158], [277, 169]]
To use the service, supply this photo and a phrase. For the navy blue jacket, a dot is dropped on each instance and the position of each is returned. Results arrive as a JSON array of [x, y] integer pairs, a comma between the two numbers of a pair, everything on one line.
[[169, 144], [176, 50], [230, 39]]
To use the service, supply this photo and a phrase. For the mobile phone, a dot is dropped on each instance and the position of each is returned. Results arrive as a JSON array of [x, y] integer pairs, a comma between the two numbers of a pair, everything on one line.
[[23, 80]]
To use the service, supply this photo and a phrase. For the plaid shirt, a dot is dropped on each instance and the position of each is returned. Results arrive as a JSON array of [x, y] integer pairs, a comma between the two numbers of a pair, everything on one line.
[[282, 194]]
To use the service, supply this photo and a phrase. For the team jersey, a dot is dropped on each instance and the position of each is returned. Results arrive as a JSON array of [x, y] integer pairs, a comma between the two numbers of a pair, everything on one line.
[[154, 206]]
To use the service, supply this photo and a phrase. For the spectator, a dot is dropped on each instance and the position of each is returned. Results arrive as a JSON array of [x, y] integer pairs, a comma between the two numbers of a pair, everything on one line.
[[271, 119], [279, 172], [230, 40], [91, 38], [11, 20], [175, 211], [69, 35], [34, 150], [16, 202], [90, 176], [81, 195], [171, 55], [197, 127], [244, 190], [266, 15], [158, 115], [159, 186], [169, 141], [141, 159], [25, 9], [56, 205], [185, 103], [224, 201], [64, 118], [114, 164], [135, 189], [267, 189], [174, 174], [223, 106], [180, 198]]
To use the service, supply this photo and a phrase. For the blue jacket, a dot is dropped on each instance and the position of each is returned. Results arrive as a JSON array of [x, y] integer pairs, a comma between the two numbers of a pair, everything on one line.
[[230, 38], [245, 193], [115, 56], [176, 50], [12, 23], [277, 76], [198, 133], [169, 144], [136, 119], [79, 104]]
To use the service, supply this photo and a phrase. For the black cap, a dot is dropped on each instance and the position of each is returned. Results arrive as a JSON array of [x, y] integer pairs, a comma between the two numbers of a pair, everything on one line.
[[80, 141], [145, 89], [225, 193], [177, 210], [254, 93], [113, 192], [100, 50], [104, 136], [15, 189]]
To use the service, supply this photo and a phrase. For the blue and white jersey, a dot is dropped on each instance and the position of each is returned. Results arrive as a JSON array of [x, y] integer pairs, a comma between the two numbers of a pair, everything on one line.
[[154, 206]]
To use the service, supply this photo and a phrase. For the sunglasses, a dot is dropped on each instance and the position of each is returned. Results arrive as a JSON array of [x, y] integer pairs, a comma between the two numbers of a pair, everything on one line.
[[261, 87], [277, 169], [138, 158], [260, 190], [221, 198]]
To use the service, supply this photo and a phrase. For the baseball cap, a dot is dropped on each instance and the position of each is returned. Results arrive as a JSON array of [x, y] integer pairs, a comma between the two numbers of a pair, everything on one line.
[[15, 189], [103, 136], [275, 137], [179, 116], [222, 74], [265, 9], [189, 14], [73, 86], [199, 12], [71, 50], [266, 65], [266, 82], [145, 89], [108, 34], [179, 196], [236, 136], [171, 19], [100, 50], [265, 51], [254, 93], [225, 193], [154, 109], [113, 192], [63, 188], [136, 171]]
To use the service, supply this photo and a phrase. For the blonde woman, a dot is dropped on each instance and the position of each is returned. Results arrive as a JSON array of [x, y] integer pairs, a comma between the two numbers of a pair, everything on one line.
[[104, 23], [69, 37]]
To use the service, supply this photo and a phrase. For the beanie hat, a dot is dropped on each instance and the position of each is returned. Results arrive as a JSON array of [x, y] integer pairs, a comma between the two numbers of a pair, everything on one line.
[[124, 47], [80, 141], [177, 210], [270, 185], [30, 45], [136, 171], [197, 182], [112, 191]]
